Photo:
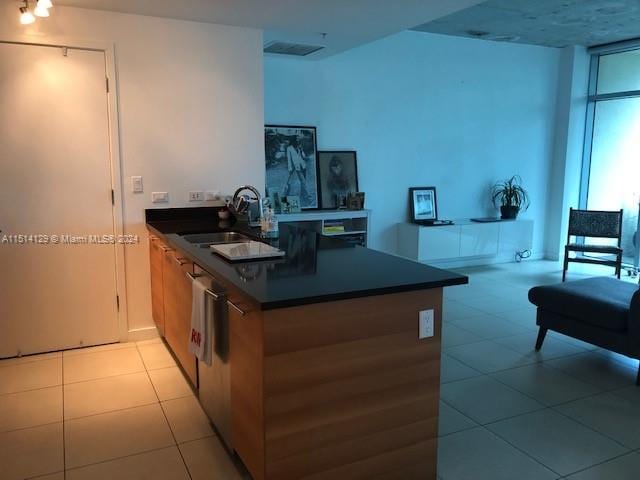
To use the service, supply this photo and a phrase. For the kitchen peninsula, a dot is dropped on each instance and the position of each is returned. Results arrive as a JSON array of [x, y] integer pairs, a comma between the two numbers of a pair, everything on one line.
[[327, 376]]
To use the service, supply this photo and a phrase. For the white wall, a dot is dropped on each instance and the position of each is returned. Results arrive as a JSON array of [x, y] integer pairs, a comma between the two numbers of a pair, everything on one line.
[[564, 177], [190, 111], [424, 109]]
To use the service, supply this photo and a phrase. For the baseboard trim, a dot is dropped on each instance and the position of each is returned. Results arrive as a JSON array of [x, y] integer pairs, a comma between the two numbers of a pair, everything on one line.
[[140, 334], [480, 261]]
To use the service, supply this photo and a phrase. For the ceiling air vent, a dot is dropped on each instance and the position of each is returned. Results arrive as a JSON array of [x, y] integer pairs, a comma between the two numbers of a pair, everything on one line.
[[295, 49]]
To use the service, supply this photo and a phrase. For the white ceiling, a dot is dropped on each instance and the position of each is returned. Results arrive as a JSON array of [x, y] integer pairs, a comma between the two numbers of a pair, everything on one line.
[[346, 23]]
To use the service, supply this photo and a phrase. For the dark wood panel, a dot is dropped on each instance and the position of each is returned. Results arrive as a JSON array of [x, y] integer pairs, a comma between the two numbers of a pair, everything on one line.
[[418, 460], [156, 260], [177, 303], [351, 427], [315, 325], [353, 451], [350, 389], [308, 368], [350, 406], [246, 356]]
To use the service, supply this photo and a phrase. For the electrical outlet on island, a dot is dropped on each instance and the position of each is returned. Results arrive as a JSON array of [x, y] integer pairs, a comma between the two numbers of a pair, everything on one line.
[[426, 319]]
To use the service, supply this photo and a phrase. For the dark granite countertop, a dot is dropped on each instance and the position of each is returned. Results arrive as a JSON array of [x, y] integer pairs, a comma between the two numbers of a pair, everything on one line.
[[315, 268]]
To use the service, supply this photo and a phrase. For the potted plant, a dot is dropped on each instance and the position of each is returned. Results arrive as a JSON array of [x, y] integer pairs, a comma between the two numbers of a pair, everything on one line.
[[510, 196]]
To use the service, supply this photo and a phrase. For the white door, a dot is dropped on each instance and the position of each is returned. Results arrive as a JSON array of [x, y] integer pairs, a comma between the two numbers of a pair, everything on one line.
[[55, 179]]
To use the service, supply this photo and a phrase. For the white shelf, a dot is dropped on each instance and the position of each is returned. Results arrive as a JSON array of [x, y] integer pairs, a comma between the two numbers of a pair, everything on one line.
[[318, 215], [337, 234], [357, 221]]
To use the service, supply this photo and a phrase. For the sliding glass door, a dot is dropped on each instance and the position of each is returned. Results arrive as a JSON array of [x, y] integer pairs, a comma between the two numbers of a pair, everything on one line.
[[611, 174]]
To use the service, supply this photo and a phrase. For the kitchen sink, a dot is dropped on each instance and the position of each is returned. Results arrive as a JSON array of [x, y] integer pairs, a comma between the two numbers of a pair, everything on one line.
[[206, 239]]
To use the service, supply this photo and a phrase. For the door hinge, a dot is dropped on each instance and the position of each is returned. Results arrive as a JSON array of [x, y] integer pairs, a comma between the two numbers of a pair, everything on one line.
[[113, 197], [118, 302], [107, 83]]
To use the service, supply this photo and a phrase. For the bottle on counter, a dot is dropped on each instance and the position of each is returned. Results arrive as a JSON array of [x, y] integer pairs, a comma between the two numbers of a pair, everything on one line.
[[269, 224]]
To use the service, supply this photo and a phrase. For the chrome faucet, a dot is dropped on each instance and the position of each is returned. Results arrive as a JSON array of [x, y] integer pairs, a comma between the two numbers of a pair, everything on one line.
[[241, 205]]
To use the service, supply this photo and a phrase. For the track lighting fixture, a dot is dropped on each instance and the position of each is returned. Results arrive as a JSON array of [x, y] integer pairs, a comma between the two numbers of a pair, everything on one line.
[[40, 11], [27, 16]]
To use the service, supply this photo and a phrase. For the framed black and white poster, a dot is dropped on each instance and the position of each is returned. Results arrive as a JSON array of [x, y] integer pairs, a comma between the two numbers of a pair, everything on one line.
[[424, 206], [338, 177], [291, 163]]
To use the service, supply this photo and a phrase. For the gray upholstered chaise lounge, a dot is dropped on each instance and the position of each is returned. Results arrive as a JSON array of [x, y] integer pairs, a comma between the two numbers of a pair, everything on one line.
[[602, 311]]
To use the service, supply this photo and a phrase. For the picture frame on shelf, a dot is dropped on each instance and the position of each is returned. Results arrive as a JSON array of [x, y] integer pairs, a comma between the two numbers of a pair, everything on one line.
[[355, 201], [337, 177], [293, 204], [291, 161], [424, 204]]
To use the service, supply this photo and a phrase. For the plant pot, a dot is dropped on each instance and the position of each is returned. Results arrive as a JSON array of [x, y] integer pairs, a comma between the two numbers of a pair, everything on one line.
[[509, 212]]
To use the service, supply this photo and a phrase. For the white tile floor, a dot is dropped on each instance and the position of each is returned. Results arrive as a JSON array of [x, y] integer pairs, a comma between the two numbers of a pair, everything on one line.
[[569, 411], [125, 411], [120, 411]]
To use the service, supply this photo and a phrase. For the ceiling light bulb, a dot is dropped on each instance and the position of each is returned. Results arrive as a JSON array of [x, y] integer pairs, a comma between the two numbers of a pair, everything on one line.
[[40, 11], [26, 17], [45, 3]]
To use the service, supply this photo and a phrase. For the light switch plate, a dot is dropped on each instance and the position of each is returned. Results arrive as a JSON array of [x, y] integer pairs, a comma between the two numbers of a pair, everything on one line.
[[426, 324], [136, 184], [160, 197]]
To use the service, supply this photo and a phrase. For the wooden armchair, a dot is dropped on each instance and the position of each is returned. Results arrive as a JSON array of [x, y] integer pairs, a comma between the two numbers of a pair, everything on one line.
[[594, 224]]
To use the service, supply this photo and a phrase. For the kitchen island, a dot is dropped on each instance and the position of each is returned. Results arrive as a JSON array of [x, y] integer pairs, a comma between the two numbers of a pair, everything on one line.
[[328, 377]]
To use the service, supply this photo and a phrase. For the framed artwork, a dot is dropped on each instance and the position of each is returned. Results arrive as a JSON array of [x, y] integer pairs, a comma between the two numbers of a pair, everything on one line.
[[291, 163], [424, 206], [338, 177]]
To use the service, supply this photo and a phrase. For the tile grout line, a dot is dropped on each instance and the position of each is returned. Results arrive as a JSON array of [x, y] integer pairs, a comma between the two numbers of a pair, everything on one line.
[[133, 455], [485, 426], [515, 447], [143, 452], [629, 449], [599, 463], [164, 414], [29, 390], [541, 362], [546, 407], [112, 411], [520, 449], [89, 380]]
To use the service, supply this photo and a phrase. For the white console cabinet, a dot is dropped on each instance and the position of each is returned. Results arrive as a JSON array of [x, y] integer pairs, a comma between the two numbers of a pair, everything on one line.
[[465, 242]]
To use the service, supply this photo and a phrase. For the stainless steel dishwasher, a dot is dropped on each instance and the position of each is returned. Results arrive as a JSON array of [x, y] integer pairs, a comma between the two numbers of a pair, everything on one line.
[[214, 389]]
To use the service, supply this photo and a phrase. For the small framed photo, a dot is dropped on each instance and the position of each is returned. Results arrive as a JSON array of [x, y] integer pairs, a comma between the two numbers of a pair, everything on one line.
[[424, 206], [291, 163], [355, 201], [294, 204], [338, 177]]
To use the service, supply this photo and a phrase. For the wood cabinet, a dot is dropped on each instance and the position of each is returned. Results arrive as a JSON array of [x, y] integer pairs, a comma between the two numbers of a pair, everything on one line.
[[177, 291], [157, 250], [341, 389], [246, 357]]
